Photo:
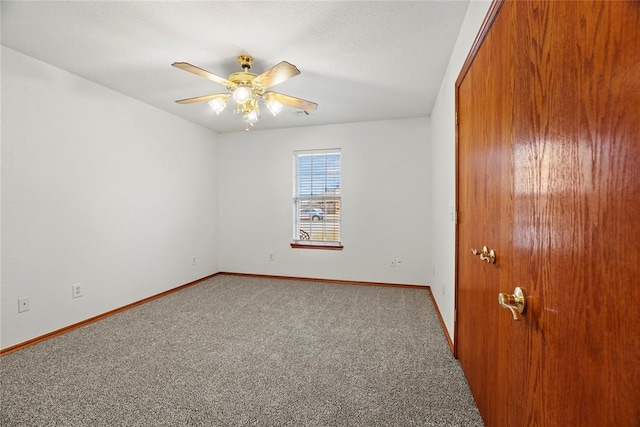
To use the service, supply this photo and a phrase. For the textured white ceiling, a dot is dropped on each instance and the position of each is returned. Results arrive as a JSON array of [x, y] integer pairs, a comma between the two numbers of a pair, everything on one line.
[[359, 60]]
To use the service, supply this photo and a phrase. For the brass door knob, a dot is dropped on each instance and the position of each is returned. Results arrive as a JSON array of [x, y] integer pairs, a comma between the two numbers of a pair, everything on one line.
[[486, 255], [515, 302]]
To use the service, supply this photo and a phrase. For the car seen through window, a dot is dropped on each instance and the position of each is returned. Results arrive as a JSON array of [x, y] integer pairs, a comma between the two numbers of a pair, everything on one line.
[[314, 214]]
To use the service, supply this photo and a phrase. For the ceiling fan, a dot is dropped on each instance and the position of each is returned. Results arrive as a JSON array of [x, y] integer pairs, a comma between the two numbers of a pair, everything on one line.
[[247, 88]]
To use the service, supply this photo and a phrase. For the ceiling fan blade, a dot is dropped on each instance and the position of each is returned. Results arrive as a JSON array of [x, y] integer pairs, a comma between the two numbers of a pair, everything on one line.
[[276, 74], [301, 104], [202, 98], [203, 73]]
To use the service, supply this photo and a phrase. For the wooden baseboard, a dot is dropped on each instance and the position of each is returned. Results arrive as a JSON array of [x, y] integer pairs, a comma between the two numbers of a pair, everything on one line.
[[66, 329], [444, 327], [342, 282]]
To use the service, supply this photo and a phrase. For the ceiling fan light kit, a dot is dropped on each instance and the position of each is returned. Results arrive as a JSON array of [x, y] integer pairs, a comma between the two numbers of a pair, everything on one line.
[[273, 105], [219, 104], [247, 88]]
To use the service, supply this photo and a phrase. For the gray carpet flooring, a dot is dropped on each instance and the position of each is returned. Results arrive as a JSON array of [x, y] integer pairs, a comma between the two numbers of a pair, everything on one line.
[[245, 351]]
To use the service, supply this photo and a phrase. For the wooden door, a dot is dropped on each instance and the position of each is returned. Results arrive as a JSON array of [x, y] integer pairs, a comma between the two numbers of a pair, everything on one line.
[[480, 171], [549, 177]]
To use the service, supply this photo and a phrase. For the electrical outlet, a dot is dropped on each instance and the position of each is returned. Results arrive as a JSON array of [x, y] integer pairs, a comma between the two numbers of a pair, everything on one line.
[[23, 304], [272, 257], [399, 263], [76, 291]]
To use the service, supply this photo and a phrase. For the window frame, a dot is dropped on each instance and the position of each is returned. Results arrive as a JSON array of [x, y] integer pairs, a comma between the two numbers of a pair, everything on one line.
[[299, 242]]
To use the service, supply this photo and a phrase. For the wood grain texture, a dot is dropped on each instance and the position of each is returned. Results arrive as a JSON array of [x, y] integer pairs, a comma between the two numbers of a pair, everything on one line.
[[487, 22], [589, 203], [549, 175], [490, 87]]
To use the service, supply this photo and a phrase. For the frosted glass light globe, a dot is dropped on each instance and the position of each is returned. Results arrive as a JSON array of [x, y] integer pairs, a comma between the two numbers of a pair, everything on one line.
[[251, 117], [242, 94], [274, 106], [218, 104]]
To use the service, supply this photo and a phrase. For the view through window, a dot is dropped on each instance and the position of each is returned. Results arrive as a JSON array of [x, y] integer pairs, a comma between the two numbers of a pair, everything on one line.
[[316, 197]]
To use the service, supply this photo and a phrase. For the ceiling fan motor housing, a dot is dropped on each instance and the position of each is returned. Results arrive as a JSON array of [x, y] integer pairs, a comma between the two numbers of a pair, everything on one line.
[[246, 61], [245, 78]]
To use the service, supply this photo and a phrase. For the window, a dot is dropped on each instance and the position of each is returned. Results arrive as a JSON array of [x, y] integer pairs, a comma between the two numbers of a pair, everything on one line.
[[316, 199]]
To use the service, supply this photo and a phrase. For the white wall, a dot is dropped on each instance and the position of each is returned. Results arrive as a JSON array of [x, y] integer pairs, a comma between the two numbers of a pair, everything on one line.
[[385, 202], [97, 189], [103, 190], [442, 272]]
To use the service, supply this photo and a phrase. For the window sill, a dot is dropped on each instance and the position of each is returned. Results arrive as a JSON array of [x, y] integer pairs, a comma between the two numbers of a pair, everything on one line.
[[326, 247]]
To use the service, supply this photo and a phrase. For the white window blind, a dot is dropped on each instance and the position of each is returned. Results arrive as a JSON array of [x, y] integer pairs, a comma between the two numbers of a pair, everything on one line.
[[316, 197]]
